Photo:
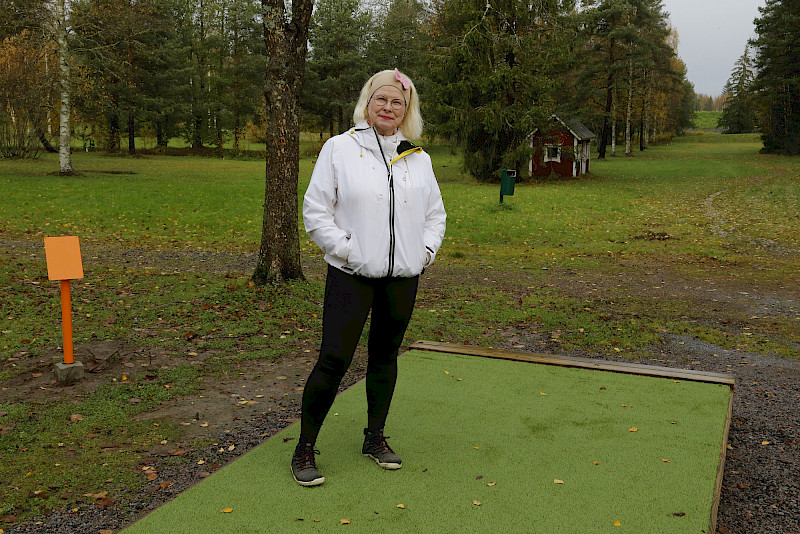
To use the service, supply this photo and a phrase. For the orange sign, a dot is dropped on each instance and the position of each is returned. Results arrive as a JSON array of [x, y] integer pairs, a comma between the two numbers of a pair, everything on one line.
[[63, 258]]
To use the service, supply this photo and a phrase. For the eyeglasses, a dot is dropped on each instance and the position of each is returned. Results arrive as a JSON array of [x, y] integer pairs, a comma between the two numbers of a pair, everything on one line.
[[381, 100]]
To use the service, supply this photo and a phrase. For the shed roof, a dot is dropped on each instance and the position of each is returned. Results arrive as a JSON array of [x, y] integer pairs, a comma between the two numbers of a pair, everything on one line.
[[576, 128]]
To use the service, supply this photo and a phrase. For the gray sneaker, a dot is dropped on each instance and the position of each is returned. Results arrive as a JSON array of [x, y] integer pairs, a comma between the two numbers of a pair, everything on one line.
[[304, 466], [375, 447]]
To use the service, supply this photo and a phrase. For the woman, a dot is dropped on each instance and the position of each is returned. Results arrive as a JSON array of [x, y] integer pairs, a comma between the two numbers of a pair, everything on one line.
[[374, 208]]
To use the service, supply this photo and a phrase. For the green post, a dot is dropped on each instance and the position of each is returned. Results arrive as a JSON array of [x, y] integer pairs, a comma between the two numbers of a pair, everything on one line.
[[507, 179]]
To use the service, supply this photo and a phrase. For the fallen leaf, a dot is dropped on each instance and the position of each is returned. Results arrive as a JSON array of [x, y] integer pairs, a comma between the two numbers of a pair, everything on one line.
[[765, 442], [665, 460], [542, 394], [403, 506], [345, 521], [476, 503], [617, 523], [74, 418], [557, 481], [104, 503], [596, 463], [633, 429], [104, 531], [152, 476], [491, 483], [227, 510]]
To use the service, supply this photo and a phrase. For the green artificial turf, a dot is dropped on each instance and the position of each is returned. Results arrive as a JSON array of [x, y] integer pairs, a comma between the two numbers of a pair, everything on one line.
[[503, 434]]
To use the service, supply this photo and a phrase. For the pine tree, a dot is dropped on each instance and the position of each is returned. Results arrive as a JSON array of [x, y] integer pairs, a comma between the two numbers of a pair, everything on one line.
[[338, 65], [399, 41], [628, 61], [489, 78], [738, 114], [777, 83]]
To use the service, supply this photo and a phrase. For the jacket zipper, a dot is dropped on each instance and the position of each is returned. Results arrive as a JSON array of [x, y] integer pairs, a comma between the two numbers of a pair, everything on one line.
[[390, 177]]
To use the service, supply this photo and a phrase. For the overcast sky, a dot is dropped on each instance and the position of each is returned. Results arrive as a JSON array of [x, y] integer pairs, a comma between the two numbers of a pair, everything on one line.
[[712, 35]]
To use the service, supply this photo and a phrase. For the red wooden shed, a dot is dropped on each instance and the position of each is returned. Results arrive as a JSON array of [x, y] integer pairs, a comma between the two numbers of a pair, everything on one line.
[[563, 150]]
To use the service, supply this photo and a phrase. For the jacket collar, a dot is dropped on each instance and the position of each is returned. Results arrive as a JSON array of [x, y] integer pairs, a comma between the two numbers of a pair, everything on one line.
[[366, 137]]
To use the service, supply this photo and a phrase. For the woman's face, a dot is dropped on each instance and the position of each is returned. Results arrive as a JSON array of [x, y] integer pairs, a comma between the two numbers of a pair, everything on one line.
[[386, 109]]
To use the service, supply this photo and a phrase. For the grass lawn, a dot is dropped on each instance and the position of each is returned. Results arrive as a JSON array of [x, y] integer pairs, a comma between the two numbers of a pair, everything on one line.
[[706, 120], [578, 268]]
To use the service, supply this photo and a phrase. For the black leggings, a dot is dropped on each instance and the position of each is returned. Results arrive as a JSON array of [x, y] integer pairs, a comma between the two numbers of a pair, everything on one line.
[[348, 300]]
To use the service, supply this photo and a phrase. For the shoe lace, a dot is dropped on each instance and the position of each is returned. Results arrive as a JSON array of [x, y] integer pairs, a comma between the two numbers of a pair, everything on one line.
[[305, 458], [379, 443]]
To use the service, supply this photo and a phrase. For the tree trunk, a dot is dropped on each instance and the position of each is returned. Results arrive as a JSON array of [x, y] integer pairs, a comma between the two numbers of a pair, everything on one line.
[[286, 45], [113, 144], [161, 139], [628, 111], [237, 92], [45, 143], [614, 129], [646, 114], [609, 102], [131, 133], [65, 113], [131, 117]]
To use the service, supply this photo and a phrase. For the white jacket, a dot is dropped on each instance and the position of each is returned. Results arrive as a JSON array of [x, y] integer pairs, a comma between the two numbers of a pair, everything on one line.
[[370, 220]]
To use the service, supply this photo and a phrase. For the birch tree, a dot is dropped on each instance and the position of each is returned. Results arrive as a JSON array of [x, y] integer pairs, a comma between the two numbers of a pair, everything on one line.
[[61, 32]]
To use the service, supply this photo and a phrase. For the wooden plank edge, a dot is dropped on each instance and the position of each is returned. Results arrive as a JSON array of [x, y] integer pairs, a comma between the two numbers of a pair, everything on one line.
[[581, 363], [712, 525]]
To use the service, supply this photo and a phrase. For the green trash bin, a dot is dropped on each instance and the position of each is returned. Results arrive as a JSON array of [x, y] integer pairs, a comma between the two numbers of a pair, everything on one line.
[[507, 180]]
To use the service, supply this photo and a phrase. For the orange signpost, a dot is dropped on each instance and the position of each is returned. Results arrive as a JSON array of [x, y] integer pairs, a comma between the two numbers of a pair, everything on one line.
[[64, 264]]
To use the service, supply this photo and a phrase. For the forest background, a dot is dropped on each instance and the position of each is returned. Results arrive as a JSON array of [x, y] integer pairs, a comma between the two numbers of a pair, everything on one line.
[[213, 75], [150, 71]]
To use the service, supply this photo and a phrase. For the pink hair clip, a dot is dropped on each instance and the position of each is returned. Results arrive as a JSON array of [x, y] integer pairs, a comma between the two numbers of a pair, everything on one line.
[[405, 82]]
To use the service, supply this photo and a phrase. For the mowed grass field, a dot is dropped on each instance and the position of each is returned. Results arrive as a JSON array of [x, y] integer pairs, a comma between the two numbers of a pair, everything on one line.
[[575, 264]]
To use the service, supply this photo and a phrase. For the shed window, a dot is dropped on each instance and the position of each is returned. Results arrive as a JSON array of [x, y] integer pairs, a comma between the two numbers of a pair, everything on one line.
[[552, 153]]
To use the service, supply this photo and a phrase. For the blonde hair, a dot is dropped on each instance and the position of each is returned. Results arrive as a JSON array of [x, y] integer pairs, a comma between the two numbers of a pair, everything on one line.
[[412, 120]]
